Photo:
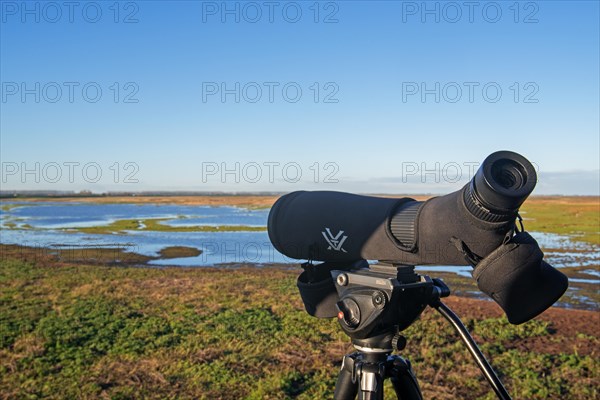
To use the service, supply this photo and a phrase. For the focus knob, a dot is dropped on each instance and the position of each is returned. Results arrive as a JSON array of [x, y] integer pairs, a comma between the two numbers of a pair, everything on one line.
[[349, 313]]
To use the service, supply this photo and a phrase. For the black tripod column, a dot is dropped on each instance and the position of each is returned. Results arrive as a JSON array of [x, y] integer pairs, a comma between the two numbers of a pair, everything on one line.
[[361, 377], [371, 381], [363, 374]]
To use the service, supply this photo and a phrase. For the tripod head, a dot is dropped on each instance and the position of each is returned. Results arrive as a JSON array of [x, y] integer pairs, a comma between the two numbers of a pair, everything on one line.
[[376, 303]]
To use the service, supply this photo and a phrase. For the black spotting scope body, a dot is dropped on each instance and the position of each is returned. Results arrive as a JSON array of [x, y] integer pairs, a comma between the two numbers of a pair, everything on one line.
[[459, 228], [340, 227]]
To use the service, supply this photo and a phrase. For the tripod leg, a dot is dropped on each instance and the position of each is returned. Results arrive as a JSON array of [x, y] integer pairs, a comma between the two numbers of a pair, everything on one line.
[[346, 386], [404, 381]]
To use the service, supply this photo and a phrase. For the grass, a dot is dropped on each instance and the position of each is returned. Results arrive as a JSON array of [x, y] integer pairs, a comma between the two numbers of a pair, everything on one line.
[[124, 225], [150, 224], [576, 217], [69, 330], [94, 255], [179, 252], [245, 201], [8, 207], [73, 327]]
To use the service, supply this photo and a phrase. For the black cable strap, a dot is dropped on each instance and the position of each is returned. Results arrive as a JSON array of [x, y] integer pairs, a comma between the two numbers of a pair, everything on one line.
[[472, 258]]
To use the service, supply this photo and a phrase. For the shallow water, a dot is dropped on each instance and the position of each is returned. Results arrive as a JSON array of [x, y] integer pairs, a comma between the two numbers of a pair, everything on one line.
[[53, 215], [562, 242], [217, 247]]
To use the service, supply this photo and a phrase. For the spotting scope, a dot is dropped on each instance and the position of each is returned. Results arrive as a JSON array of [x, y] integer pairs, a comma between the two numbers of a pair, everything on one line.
[[476, 225]]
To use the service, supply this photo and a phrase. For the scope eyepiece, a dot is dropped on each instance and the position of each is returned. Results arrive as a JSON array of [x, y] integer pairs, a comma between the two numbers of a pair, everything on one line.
[[500, 186]]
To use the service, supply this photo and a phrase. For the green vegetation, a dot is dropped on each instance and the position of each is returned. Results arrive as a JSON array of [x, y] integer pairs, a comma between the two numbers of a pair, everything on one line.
[[78, 331], [121, 226], [76, 323], [6, 207], [93, 255], [577, 217], [179, 252], [150, 224]]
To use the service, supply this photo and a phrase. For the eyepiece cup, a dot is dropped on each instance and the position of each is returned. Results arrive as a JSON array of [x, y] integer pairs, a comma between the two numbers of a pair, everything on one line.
[[500, 186]]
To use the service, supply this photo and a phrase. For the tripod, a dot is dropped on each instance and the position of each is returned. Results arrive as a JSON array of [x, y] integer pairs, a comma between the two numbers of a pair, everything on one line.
[[365, 372], [375, 304]]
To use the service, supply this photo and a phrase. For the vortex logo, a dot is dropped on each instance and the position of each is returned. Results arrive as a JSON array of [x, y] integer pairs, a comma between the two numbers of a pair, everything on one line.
[[335, 242]]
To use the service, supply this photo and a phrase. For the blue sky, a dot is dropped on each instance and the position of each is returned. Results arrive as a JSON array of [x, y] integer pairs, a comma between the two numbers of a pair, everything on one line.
[[499, 75]]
